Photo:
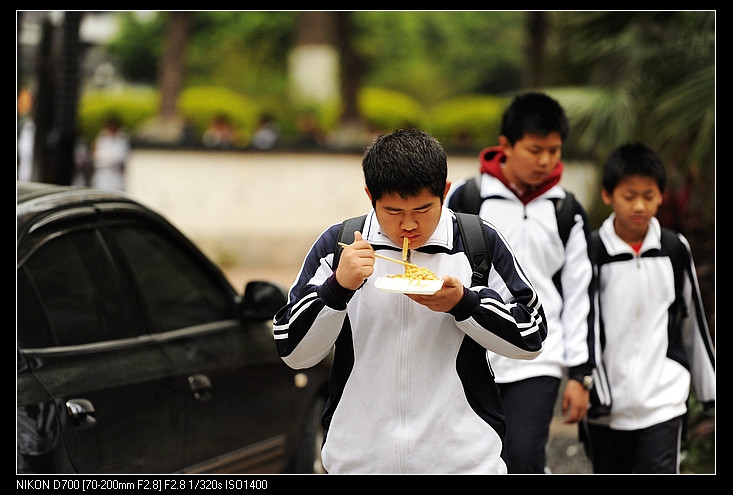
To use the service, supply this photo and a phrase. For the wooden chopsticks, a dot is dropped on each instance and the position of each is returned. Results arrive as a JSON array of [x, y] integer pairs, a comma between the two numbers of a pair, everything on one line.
[[384, 257]]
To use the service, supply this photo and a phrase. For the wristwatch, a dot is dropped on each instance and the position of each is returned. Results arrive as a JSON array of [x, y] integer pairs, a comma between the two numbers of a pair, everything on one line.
[[585, 380]]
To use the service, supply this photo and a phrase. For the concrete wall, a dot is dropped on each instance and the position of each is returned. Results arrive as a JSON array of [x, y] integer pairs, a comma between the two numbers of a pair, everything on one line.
[[262, 209]]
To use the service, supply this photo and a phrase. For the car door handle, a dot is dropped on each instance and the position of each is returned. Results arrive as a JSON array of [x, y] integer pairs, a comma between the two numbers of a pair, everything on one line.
[[200, 387], [81, 412]]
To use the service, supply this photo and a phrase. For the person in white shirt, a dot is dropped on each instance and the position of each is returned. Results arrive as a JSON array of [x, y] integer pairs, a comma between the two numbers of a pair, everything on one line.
[[110, 152]]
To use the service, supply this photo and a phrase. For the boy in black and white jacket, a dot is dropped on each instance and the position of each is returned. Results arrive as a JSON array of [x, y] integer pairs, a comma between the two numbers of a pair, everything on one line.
[[655, 334], [411, 389]]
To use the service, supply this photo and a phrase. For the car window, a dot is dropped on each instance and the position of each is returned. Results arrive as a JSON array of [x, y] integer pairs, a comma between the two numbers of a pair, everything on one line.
[[69, 294], [177, 291]]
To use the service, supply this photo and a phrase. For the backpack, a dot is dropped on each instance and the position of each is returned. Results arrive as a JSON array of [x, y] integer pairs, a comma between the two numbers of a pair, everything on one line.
[[472, 231], [470, 201]]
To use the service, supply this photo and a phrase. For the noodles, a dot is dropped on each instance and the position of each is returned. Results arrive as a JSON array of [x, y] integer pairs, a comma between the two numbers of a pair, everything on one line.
[[413, 272], [418, 273]]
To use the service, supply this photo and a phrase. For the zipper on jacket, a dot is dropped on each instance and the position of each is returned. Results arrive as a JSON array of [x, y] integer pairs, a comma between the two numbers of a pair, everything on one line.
[[403, 385], [636, 326]]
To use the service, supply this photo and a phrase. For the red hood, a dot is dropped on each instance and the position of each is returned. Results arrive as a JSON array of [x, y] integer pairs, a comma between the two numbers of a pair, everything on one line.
[[491, 159]]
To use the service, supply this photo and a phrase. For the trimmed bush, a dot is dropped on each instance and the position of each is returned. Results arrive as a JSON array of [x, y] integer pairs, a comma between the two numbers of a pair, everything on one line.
[[388, 110], [461, 123], [133, 105], [200, 105], [471, 121]]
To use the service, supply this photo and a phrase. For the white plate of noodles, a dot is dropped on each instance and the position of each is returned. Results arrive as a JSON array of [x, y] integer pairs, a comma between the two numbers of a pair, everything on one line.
[[403, 285]]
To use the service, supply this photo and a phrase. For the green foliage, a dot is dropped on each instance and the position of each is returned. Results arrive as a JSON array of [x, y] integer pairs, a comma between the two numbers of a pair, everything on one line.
[[468, 121], [243, 51], [643, 76], [138, 46], [133, 105], [199, 106], [436, 55], [202, 104], [263, 36], [388, 110], [599, 120], [698, 448], [473, 117]]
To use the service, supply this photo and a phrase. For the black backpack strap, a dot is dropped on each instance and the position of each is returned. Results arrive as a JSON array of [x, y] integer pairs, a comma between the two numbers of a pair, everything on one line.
[[595, 239], [565, 213], [677, 252], [476, 244], [346, 235], [599, 406], [470, 198]]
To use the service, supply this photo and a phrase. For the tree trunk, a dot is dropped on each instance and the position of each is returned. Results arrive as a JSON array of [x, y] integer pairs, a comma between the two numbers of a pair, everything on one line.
[[313, 62], [55, 105], [167, 127], [351, 70], [68, 98], [325, 67], [537, 31], [171, 64]]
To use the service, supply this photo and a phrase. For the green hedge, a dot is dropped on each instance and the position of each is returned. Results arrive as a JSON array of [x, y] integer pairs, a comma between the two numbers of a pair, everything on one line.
[[388, 110], [134, 106], [464, 122], [202, 104], [199, 105]]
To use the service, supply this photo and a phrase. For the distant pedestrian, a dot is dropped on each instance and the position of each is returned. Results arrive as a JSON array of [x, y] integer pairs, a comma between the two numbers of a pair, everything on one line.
[[83, 164], [110, 152], [26, 136], [220, 133], [267, 134], [26, 140]]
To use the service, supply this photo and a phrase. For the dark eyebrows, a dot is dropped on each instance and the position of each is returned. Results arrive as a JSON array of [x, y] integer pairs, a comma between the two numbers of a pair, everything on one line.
[[536, 147], [421, 207]]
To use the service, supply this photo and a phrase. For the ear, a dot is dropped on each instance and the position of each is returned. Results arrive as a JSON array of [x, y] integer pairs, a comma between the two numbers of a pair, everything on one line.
[[447, 188], [606, 197], [369, 194], [504, 143]]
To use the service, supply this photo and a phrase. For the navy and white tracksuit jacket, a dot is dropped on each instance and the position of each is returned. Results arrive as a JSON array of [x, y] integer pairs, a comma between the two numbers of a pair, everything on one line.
[[648, 363], [562, 275], [411, 390]]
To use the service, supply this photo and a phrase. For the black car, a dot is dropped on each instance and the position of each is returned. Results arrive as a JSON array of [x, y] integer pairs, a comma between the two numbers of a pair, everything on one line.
[[136, 355]]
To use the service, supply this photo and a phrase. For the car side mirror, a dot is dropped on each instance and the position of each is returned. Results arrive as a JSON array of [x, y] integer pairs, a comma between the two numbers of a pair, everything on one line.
[[262, 300]]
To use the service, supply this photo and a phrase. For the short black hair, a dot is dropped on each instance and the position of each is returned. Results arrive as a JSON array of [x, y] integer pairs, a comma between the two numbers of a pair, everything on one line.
[[405, 162], [633, 159], [534, 113]]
